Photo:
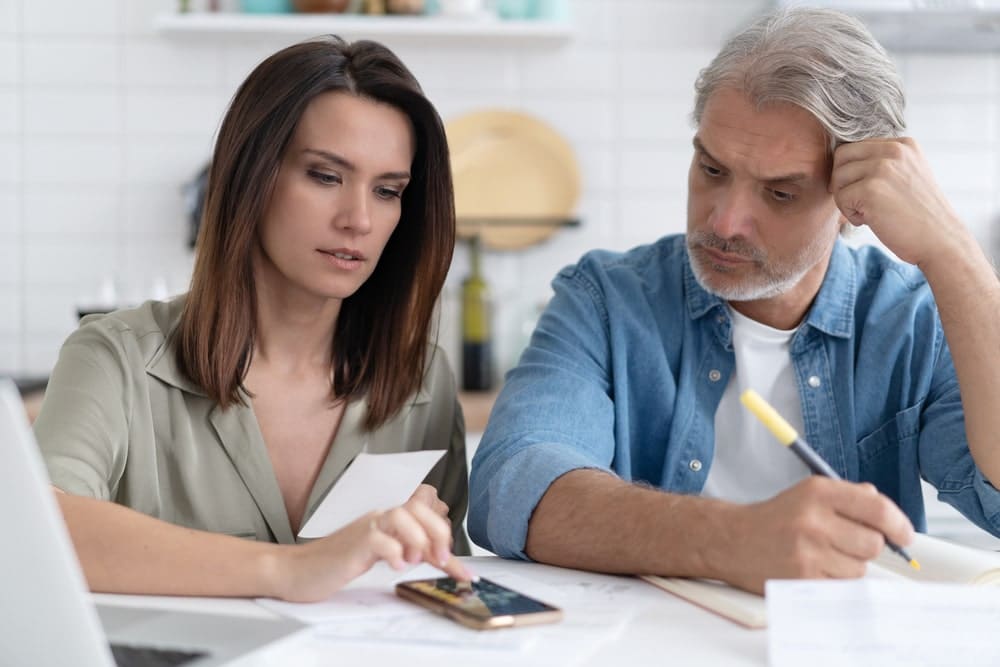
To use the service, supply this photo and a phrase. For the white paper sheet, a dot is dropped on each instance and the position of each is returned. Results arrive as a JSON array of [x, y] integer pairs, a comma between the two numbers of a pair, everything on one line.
[[597, 608], [427, 630], [370, 596], [883, 623], [372, 482]]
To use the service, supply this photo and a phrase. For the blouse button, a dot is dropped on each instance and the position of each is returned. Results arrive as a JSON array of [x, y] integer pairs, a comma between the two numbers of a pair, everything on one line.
[[714, 375], [695, 465], [814, 381]]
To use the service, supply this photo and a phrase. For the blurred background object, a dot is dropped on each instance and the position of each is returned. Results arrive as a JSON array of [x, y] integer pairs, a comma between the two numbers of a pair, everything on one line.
[[405, 6], [461, 8], [194, 198], [266, 6], [329, 6], [105, 300], [516, 177], [516, 9], [477, 326]]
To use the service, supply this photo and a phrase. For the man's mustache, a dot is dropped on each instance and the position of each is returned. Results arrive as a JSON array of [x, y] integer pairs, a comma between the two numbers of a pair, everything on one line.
[[734, 246]]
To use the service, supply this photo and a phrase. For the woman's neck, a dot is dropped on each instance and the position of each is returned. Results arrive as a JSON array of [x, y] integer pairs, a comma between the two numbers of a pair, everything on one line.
[[294, 330]]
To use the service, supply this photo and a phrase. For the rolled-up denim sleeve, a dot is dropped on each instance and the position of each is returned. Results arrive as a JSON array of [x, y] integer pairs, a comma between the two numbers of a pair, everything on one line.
[[946, 461], [554, 415]]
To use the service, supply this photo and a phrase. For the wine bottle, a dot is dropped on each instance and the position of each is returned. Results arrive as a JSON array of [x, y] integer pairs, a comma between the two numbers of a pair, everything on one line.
[[477, 344]]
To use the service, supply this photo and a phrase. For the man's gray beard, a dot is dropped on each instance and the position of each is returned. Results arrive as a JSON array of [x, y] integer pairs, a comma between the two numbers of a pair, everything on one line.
[[772, 287]]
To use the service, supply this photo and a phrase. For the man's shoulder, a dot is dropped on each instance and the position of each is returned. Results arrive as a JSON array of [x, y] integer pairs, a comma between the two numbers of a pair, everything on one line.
[[649, 262], [891, 295], [877, 269]]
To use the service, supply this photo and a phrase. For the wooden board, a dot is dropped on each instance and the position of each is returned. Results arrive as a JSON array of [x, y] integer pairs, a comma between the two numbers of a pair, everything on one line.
[[511, 166]]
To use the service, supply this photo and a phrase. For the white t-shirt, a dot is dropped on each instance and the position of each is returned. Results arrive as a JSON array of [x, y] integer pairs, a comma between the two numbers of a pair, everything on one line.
[[750, 464]]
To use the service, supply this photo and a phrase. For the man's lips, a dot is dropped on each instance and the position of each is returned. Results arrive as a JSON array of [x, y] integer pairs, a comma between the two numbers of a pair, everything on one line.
[[724, 257]]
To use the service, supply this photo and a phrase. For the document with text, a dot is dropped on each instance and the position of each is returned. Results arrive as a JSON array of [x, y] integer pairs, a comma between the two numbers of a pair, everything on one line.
[[879, 622]]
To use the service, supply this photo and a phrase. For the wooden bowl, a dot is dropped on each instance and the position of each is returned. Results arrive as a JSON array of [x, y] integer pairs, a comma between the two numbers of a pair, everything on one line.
[[317, 6]]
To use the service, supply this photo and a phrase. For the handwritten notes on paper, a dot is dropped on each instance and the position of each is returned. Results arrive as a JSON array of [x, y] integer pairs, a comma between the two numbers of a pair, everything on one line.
[[371, 482], [881, 622]]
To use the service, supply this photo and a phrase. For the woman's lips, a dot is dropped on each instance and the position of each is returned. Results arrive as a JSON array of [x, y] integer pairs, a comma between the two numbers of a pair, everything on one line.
[[343, 258]]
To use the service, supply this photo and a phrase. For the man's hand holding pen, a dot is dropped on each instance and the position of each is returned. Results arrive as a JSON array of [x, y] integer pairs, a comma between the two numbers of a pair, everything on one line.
[[819, 528], [823, 527]]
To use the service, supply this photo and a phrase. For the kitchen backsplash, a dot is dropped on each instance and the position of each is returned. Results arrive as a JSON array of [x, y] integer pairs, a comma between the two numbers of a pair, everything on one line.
[[102, 120]]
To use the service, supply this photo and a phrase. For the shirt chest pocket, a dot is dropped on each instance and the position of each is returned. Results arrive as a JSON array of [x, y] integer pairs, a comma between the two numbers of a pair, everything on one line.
[[887, 457]]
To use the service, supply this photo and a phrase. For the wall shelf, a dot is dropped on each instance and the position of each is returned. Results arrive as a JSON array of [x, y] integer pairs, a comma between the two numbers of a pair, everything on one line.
[[355, 26]]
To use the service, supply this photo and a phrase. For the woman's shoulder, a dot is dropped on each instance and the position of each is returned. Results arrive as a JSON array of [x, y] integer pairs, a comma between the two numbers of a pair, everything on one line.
[[143, 329]]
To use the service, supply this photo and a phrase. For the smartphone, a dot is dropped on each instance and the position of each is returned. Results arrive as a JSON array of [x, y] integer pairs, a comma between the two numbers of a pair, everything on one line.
[[483, 605]]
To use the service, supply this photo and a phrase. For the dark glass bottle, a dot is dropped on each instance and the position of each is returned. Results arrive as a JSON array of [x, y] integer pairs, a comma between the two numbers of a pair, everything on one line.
[[477, 342]]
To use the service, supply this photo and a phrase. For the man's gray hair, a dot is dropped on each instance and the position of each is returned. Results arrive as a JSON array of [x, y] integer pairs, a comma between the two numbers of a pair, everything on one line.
[[824, 61]]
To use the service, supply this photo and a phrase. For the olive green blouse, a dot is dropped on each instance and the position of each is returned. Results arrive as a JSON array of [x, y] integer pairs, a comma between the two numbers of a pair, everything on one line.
[[121, 422]]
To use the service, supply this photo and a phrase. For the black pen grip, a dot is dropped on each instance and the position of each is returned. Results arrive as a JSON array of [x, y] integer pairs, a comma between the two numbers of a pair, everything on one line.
[[812, 459]]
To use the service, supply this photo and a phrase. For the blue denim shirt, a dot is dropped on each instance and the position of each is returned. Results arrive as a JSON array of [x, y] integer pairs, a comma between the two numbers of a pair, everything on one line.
[[628, 364]]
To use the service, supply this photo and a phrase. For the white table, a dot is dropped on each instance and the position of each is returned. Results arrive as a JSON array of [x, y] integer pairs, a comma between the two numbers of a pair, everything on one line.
[[658, 628]]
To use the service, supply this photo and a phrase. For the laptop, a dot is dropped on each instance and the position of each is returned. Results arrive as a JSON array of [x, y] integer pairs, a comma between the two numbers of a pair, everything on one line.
[[48, 616]]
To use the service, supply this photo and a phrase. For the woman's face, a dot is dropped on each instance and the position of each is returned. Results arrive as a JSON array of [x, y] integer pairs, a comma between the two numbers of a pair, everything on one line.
[[337, 198]]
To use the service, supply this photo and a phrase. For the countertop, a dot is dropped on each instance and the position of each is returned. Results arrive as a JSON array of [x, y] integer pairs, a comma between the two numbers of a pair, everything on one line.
[[476, 406]]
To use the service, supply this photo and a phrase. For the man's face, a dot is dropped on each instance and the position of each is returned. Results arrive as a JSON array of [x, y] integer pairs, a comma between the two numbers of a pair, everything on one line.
[[760, 218]]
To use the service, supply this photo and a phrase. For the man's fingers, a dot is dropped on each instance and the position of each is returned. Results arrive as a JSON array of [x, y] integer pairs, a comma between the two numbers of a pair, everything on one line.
[[855, 540], [863, 504], [848, 174], [842, 566], [885, 516]]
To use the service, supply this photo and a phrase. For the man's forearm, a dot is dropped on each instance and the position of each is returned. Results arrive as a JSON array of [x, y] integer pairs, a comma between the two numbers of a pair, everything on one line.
[[592, 520], [967, 294]]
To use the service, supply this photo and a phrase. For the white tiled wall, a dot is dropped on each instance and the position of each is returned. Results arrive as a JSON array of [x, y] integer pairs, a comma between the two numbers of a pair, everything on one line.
[[102, 120]]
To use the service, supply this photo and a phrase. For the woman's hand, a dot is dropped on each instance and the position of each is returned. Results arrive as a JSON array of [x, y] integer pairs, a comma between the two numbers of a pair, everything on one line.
[[411, 533], [428, 495]]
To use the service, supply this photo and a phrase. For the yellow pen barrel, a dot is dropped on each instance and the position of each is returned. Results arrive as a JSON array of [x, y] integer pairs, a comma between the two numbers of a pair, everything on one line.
[[775, 423]]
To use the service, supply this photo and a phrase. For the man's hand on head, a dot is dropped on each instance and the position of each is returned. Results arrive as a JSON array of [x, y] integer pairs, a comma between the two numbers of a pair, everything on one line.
[[888, 185]]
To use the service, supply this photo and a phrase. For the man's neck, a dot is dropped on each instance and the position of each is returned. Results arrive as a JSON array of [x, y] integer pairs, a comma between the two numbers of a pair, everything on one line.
[[787, 310]]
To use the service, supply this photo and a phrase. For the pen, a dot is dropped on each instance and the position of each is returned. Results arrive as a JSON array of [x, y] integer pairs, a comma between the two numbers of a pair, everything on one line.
[[787, 436]]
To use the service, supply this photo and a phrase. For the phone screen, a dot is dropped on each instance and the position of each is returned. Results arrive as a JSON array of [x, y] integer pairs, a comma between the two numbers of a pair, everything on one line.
[[483, 599]]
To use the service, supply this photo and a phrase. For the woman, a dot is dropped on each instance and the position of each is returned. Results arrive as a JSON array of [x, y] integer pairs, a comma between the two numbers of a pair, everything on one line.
[[175, 429]]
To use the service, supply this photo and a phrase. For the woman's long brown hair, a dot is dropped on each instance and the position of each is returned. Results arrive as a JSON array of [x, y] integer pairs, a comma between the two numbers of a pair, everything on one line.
[[380, 344]]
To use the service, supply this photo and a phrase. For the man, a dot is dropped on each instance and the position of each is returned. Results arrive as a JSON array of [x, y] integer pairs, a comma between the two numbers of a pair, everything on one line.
[[618, 444]]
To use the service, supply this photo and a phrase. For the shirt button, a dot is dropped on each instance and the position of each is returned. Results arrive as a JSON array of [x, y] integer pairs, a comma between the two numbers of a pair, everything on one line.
[[714, 375], [814, 381], [695, 465], [720, 318]]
